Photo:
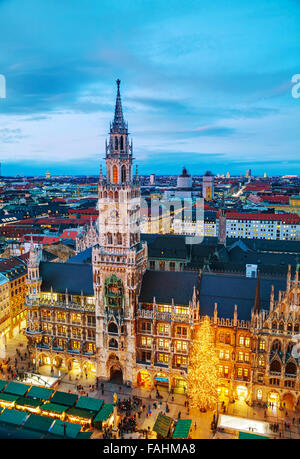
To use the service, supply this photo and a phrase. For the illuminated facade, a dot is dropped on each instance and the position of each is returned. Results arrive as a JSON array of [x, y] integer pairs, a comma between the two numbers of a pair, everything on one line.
[[119, 321]]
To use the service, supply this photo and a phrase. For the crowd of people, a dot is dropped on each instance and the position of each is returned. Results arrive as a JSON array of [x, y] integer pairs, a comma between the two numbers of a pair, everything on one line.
[[15, 368]]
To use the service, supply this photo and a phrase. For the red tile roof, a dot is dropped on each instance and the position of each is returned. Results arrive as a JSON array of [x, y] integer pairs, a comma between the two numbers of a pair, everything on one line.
[[284, 218]]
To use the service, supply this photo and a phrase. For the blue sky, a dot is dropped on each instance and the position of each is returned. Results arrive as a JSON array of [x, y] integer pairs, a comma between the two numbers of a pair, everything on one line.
[[204, 84]]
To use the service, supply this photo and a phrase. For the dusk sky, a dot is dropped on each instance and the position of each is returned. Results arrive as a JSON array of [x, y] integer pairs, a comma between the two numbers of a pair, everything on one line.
[[205, 84]]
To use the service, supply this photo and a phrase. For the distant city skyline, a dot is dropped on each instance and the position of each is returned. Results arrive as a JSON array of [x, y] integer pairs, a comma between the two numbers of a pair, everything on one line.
[[203, 85]]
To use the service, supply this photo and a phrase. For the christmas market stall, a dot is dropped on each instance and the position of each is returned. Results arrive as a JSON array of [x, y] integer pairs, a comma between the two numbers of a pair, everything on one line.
[[7, 400], [163, 426], [38, 423], [65, 429], [40, 393], [85, 409], [13, 417], [28, 404], [54, 410], [182, 429], [105, 417]]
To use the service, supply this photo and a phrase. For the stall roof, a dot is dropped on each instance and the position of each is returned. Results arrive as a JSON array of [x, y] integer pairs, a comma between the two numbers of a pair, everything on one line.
[[64, 398], [89, 403], [40, 392], [24, 401], [84, 435], [104, 413], [3, 384], [80, 413], [16, 388], [182, 428], [54, 407], [8, 397], [14, 417], [38, 423], [70, 431], [162, 425], [251, 436]]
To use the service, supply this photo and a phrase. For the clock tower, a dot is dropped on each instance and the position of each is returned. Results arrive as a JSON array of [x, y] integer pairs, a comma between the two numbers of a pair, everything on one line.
[[119, 259]]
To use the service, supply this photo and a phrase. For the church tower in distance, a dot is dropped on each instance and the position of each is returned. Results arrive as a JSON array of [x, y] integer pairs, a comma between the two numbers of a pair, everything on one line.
[[119, 259]]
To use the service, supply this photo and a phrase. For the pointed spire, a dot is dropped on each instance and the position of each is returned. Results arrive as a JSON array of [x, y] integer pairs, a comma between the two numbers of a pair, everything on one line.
[[288, 280], [216, 313], [257, 295], [272, 298], [235, 315], [118, 124], [297, 275]]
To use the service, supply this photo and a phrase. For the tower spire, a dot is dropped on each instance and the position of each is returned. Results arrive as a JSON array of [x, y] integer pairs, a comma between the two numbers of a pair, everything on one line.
[[118, 124]]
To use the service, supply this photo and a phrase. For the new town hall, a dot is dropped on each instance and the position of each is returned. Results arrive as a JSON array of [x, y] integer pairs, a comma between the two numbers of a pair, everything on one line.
[[106, 312]]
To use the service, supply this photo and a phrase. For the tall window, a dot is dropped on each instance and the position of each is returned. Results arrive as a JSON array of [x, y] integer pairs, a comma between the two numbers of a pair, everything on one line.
[[115, 174], [123, 173], [116, 143]]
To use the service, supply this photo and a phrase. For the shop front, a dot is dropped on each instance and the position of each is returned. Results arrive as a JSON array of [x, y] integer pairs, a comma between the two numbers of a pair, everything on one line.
[[180, 385], [242, 393], [144, 379], [161, 380], [223, 393]]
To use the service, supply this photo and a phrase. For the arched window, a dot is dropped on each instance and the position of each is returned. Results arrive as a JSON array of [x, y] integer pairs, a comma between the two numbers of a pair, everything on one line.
[[289, 327], [112, 328], [290, 347], [296, 328], [276, 345], [275, 366], [123, 173], [274, 325], [290, 369], [121, 143], [262, 344], [109, 238], [115, 174], [113, 343], [119, 239], [281, 326], [116, 143]]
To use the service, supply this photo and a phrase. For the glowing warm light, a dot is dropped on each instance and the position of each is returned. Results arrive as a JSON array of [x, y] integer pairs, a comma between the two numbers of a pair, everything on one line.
[[203, 374]]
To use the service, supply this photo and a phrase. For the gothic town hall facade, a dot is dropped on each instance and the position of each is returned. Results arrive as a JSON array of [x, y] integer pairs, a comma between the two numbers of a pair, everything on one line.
[[117, 319]]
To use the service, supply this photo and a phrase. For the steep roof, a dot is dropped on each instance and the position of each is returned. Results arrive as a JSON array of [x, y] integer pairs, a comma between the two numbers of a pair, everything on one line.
[[229, 289], [165, 285], [166, 246], [74, 277]]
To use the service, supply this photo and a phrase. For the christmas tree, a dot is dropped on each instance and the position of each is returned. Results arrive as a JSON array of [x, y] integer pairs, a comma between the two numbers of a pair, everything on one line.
[[203, 369]]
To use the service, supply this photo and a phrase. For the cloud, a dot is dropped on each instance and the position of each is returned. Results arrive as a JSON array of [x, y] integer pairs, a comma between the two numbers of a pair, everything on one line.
[[11, 135], [200, 79]]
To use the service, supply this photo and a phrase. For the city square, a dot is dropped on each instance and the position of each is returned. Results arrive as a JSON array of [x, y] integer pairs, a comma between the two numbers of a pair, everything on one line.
[[149, 222]]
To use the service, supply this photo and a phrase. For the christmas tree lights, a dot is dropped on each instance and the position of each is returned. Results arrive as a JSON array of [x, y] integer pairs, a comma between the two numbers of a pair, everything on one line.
[[203, 368]]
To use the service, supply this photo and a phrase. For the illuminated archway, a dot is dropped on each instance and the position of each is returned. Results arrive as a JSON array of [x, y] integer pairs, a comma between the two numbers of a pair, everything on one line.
[[144, 379], [288, 401], [274, 399]]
